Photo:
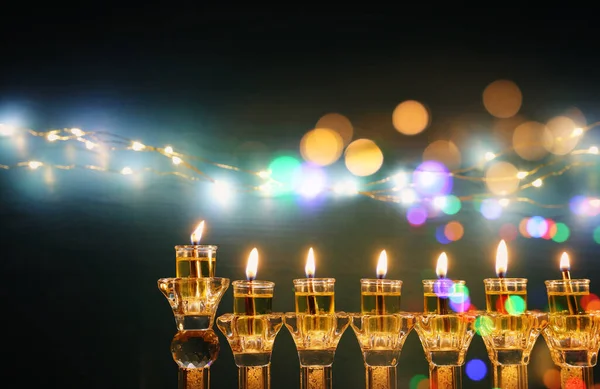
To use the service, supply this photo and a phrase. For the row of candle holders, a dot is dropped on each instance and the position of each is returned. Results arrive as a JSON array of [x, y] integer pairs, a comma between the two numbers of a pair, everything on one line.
[[571, 333]]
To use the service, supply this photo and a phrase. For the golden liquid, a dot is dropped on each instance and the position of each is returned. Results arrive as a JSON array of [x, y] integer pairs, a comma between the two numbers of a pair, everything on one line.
[[388, 303], [323, 303], [559, 302], [496, 301], [196, 267], [430, 304], [260, 303]]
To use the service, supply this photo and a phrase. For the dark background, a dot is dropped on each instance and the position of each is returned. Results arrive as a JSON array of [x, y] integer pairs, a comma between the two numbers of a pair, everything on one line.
[[81, 256]]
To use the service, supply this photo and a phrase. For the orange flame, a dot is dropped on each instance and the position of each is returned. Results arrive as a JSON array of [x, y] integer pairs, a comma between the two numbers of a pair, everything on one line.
[[309, 269], [197, 234], [252, 266], [382, 265], [442, 266]]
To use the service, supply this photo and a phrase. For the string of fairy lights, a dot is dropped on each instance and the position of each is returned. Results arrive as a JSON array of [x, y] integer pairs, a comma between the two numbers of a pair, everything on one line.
[[387, 189]]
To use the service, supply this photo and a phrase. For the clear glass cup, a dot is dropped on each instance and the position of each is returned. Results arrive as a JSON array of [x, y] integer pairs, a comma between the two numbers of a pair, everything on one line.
[[195, 260]]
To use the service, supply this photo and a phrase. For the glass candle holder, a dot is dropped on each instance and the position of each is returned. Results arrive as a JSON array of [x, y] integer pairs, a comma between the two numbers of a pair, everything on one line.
[[565, 296], [380, 296], [572, 334], [251, 339], [252, 297], [195, 347], [506, 295], [442, 296], [195, 260], [445, 340], [381, 338], [315, 296], [316, 338], [509, 340]]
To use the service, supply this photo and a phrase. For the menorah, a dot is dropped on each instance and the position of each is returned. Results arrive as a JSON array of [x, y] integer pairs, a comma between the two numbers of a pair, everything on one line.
[[445, 327]]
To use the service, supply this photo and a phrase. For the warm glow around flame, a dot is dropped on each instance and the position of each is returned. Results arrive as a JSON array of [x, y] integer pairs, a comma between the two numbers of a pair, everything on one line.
[[442, 266], [252, 266], [501, 259], [197, 234], [309, 269], [382, 265], [565, 263]]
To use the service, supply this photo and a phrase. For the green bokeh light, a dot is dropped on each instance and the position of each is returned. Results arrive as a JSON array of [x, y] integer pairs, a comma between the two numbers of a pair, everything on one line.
[[483, 325], [451, 205], [282, 170], [515, 305], [416, 380], [597, 235], [562, 233]]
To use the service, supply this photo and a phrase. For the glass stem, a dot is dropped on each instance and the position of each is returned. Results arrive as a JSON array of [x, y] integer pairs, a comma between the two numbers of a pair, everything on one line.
[[254, 377], [315, 377], [381, 377], [580, 377], [445, 376], [194, 378], [510, 376]]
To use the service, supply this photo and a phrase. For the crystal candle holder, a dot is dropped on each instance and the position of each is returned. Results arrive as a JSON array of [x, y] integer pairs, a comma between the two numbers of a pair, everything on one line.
[[445, 340], [572, 334], [195, 346], [505, 295], [316, 329], [381, 338], [251, 332], [195, 260], [509, 340]]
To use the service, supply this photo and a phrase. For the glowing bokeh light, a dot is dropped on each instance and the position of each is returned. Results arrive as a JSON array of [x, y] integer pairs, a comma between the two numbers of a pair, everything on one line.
[[537, 226], [445, 152], [551, 379], [432, 178], [515, 305], [502, 99], [440, 235], [476, 369], [596, 234], [501, 178], [523, 227], [416, 215], [338, 123], [577, 205], [454, 231], [415, 381], [451, 205], [410, 117], [562, 233], [590, 302], [483, 325], [460, 306], [531, 141], [309, 181], [283, 170], [491, 209], [321, 146], [363, 157], [550, 230], [561, 130]]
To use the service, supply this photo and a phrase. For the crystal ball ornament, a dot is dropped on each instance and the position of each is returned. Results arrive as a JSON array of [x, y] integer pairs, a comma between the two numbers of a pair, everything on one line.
[[193, 349]]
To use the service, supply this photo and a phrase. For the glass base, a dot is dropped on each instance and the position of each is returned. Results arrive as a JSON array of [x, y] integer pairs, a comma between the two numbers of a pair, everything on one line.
[[576, 377], [315, 377], [510, 376], [254, 377], [194, 378], [381, 377], [445, 376]]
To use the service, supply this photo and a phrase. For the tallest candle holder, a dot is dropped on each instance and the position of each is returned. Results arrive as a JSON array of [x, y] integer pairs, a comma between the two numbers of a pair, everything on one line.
[[195, 346], [572, 335]]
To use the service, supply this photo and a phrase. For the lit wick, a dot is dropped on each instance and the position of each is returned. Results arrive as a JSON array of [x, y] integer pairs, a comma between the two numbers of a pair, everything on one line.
[[501, 267], [441, 270], [309, 270], [251, 269], [195, 268], [565, 268], [381, 272]]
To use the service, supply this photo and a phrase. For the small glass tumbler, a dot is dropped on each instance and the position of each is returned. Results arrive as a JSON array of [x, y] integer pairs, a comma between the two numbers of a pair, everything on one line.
[[252, 297], [506, 295], [380, 296], [315, 296], [195, 260]]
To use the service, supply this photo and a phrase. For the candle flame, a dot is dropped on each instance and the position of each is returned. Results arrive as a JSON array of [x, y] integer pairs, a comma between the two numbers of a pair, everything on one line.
[[382, 265], [442, 266], [565, 263], [197, 234], [252, 266], [501, 259], [309, 269]]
